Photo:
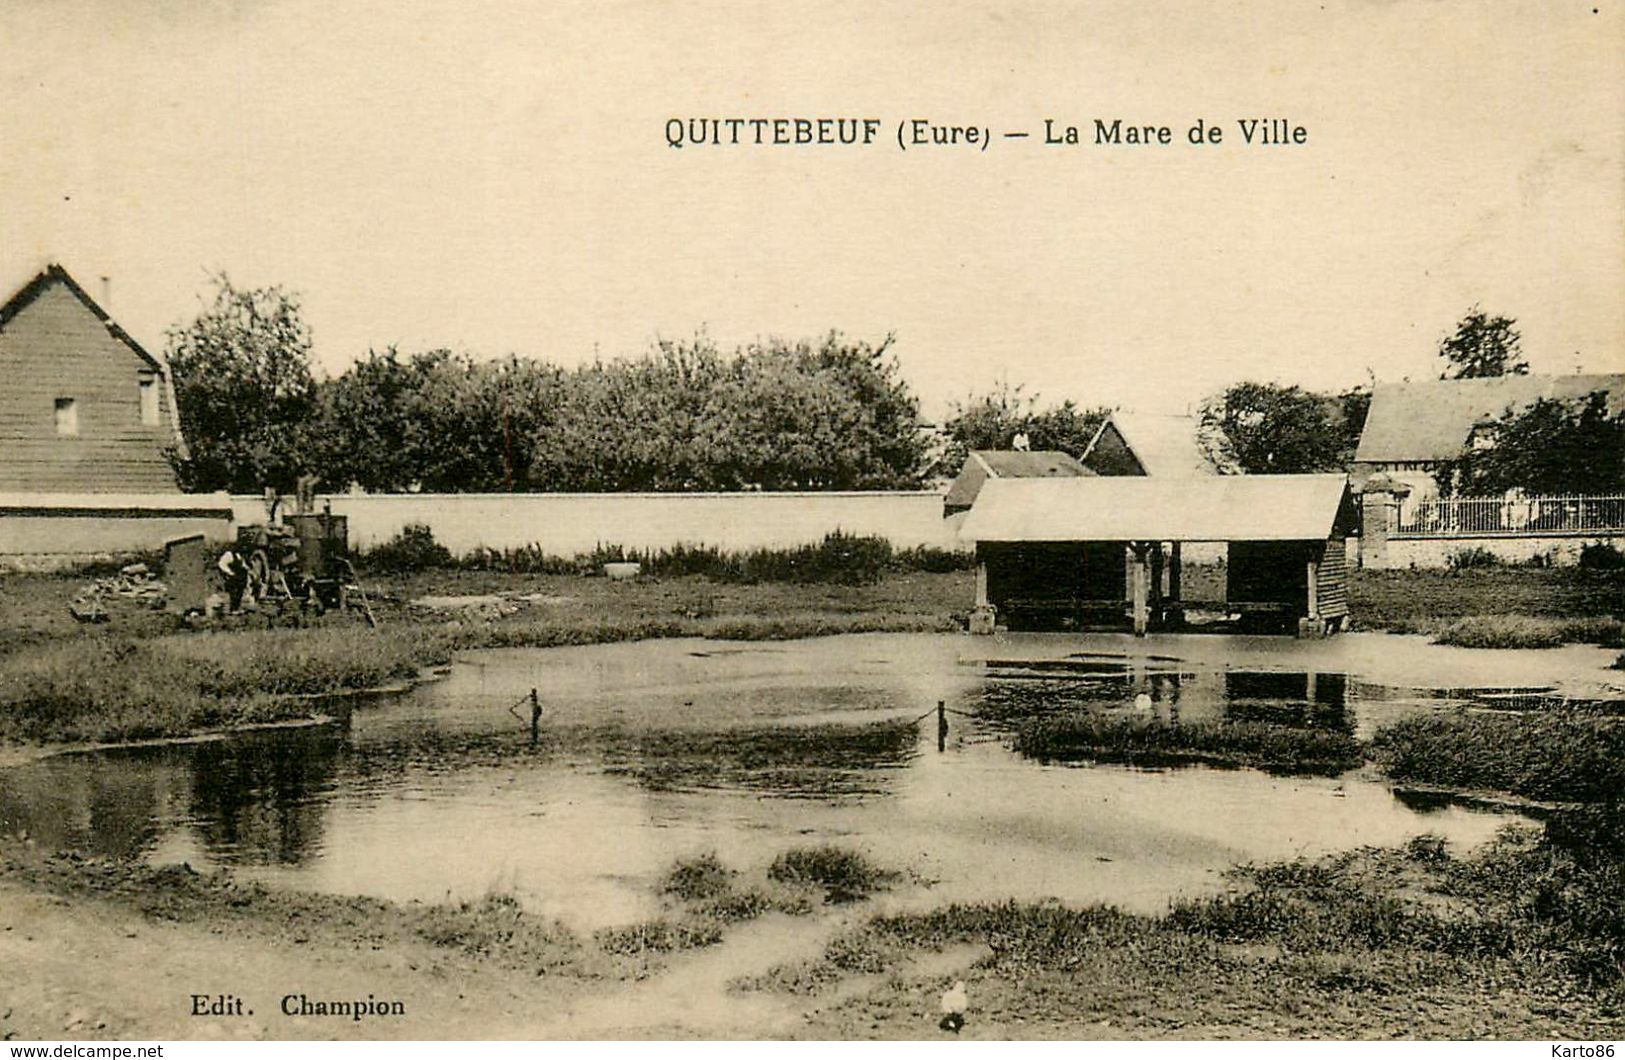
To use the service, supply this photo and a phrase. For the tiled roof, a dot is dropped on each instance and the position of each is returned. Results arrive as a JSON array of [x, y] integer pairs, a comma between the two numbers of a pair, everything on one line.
[[1431, 420]]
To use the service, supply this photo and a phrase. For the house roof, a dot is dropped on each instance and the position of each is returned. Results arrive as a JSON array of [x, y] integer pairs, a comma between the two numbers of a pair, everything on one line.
[[1136, 508], [1165, 445], [53, 274], [1432, 420], [1016, 463], [983, 464]]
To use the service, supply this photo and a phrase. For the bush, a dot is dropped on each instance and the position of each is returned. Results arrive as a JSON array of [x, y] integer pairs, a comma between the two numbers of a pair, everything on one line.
[[109, 566], [412, 550], [1600, 555], [1593, 833], [526, 559], [933, 560], [840, 559], [1428, 849], [1470, 558]]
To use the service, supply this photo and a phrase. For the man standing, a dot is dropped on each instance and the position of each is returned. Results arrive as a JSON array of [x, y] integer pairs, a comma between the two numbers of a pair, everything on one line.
[[234, 569]]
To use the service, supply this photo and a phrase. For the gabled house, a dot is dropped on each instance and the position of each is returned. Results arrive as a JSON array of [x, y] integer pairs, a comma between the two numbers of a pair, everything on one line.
[[1161, 446], [83, 407], [1412, 428], [86, 416]]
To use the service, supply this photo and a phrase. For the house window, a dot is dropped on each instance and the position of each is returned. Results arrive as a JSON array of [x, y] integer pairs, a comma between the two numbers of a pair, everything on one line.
[[67, 416], [149, 402]]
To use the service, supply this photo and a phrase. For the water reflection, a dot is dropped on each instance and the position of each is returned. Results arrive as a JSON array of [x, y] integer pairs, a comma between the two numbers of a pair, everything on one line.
[[99, 804], [258, 799]]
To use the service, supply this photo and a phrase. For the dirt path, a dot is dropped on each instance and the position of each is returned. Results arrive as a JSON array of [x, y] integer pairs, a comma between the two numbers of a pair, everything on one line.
[[96, 971]]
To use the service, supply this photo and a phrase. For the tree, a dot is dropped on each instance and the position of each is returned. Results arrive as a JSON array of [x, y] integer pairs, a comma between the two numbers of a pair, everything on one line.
[[245, 391], [1552, 447], [992, 421], [774, 415], [435, 421], [1482, 346], [1269, 429]]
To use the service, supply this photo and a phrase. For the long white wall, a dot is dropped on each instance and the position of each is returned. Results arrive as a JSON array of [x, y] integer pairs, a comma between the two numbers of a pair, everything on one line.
[[47, 531], [567, 524]]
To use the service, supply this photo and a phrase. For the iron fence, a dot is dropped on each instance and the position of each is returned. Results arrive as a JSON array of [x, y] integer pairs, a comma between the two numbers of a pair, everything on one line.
[[1512, 517]]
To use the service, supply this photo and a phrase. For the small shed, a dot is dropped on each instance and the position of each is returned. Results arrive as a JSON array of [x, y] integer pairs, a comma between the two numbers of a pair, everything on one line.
[[1058, 548], [984, 464]]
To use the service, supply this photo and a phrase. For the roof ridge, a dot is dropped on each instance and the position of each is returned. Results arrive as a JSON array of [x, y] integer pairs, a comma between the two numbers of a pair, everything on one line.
[[55, 273]]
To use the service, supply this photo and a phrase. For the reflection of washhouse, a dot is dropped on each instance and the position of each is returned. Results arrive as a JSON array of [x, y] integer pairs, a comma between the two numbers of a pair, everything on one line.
[[1076, 552], [1166, 689]]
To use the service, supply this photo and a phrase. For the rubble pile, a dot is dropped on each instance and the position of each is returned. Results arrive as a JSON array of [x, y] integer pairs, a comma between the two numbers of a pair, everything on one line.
[[134, 582]]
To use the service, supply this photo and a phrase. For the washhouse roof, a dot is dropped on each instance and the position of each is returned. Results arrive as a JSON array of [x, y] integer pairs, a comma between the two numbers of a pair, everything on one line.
[[1135, 508]]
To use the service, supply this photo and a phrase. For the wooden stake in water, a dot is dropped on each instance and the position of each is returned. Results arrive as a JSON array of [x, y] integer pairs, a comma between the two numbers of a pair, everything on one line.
[[942, 726], [535, 717]]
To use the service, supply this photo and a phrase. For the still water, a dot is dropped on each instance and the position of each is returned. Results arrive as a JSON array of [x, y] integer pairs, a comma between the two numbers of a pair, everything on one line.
[[660, 749]]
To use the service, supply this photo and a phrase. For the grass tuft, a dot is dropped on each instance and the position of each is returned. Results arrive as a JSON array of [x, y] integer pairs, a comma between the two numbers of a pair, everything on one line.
[[1526, 631], [698, 878], [845, 875], [1152, 742], [659, 936], [1558, 755]]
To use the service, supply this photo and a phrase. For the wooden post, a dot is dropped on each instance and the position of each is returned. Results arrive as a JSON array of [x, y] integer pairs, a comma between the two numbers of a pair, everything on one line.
[[1140, 579], [942, 726], [982, 618], [535, 717], [1175, 589], [1314, 590], [1156, 582]]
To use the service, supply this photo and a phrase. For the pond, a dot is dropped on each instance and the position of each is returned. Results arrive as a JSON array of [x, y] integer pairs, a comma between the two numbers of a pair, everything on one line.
[[654, 750]]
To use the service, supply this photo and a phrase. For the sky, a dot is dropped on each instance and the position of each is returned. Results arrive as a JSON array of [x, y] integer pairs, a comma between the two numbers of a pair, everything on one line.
[[496, 179]]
